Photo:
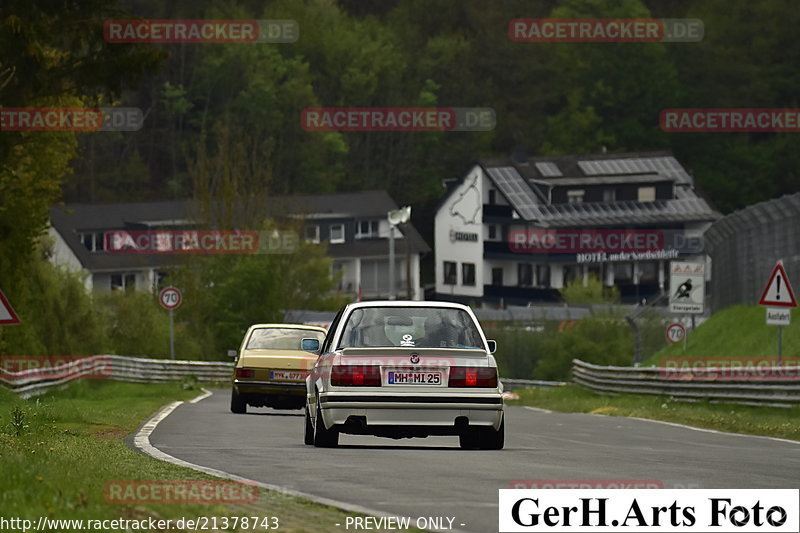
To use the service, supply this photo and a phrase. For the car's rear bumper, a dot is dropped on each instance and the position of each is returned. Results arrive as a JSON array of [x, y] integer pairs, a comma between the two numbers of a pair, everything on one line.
[[383, 412], [270, 387]]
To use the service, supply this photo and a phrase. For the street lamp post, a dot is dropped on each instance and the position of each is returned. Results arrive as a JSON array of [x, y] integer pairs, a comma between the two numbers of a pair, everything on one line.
[[398, 216]]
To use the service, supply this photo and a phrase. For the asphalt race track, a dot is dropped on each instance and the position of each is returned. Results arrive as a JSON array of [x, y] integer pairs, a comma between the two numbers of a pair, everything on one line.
[[434, 477]]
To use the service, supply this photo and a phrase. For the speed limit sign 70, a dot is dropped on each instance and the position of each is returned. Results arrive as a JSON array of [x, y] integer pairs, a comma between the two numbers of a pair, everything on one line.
[[170, 297], [675, 333]]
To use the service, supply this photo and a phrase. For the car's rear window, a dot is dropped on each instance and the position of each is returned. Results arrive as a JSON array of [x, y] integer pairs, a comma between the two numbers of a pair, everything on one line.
[[419, 327], [280, 338]]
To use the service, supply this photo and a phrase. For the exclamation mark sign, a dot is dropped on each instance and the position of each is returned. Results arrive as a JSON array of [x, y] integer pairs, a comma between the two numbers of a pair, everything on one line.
[[778, 288]]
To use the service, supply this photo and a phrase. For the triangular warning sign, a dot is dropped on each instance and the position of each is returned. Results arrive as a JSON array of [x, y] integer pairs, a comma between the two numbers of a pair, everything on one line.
[[778, 292], [7, 315]]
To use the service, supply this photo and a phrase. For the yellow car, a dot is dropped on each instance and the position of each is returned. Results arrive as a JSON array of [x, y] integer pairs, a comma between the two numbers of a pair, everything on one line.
[[272, 364]]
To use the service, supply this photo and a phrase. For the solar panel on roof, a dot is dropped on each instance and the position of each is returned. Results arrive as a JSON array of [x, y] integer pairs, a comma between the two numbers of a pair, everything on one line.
[[518, 193], [548, 169]]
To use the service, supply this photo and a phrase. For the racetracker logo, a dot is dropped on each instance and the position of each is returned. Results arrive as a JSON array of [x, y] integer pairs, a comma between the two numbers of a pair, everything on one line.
[[607, 511], [728, 120], [602, 484], [21, 367], [397, 119], [200, 242], [181, 492], [71, 119], [201, 31], [601, 245], [605, 30], [731, 369]]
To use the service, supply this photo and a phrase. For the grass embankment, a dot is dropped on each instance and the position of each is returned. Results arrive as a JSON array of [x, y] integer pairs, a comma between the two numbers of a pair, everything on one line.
[[736, 332], [60, 450], [767, 421]]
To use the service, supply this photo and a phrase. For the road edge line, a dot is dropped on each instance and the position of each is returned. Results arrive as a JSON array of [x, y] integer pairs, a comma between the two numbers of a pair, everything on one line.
[[206, 394], [142, 443]]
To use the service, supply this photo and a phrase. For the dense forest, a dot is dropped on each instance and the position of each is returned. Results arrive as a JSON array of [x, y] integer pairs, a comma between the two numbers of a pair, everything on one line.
[[237, 106]]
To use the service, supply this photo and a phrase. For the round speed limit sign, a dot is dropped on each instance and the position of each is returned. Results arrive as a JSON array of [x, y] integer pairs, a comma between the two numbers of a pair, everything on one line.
[[675, 333], [170, 298]]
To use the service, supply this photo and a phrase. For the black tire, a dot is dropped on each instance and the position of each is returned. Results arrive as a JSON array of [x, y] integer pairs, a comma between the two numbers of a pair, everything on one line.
[[308, 438], [483, 438], [469, 439], [324, 438], [238, 404], [494, 440]]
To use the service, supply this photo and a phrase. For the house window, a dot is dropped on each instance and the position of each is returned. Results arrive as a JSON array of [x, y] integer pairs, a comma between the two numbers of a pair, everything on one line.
[[160, 280], [497, 276], [123, 282], [623, 272], [647, 194], [87, 241], [312, 233], [492, 196], [609, 195], [337, 233], [468, 274], [366, 229], [575, 196], [524, 274], [492, 232], [648, 272], [92, 241], [449, 273], [543, 275], [570, 272]]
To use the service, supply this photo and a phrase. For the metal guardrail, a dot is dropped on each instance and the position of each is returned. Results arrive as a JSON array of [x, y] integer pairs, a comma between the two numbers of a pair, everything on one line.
[[778, 386], [35, 381]]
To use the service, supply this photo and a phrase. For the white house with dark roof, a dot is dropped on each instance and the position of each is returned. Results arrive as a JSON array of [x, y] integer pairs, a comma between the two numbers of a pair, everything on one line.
[[354, 225], [497, 200]]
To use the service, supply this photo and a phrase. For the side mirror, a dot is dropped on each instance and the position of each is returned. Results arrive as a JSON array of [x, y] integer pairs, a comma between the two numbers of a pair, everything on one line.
[[492, 346], [310, 345], [232, 353]]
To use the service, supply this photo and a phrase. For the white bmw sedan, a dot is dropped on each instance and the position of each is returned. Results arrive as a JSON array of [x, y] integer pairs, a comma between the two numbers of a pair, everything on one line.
[[405, 369]]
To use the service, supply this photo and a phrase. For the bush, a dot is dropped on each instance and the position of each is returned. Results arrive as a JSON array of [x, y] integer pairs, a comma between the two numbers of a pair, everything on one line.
[[602, 339], [594, 292], [57, 315]]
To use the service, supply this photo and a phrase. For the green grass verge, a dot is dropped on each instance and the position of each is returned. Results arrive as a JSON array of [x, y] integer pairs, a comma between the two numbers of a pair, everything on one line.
[[65, 446], [739, 331], [767, 421]]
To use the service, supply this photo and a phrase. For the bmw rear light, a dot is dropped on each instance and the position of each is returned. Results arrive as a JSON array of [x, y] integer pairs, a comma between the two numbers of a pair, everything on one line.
[[355, 376], [467, 376], [244, 372]]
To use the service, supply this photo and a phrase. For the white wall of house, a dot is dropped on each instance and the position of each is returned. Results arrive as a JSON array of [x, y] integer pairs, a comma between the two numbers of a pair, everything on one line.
[[64, 257], [459, 235]]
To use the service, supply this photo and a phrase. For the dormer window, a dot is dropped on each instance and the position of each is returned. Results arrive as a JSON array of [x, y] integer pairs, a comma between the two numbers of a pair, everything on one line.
[[575, 196], [337, 233], [647, 194], [366, 229]]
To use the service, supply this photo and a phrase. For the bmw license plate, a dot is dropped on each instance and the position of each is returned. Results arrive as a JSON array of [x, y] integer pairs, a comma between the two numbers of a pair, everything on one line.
[[285, 375], [414, 378]]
